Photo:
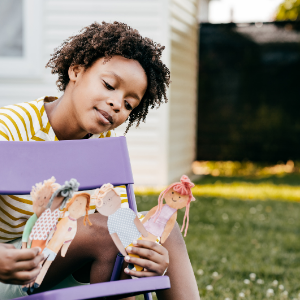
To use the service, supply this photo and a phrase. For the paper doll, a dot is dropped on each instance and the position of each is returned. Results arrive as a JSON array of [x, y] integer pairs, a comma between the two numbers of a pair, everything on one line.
[[161, 219], [65, 231], [40, 194], [123, 224], [49, 218]]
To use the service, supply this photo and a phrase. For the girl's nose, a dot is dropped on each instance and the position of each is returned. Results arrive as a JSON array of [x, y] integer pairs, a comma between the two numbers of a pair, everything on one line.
[[116, 104]]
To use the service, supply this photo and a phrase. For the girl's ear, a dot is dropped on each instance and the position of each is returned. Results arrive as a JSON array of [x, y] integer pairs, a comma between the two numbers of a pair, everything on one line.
[[74, 71]]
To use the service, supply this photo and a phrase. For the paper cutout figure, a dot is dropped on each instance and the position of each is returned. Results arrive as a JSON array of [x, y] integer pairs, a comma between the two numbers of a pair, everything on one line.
[[49, 218], [40, 194], [123, 224], [65, 231], [161, 219]]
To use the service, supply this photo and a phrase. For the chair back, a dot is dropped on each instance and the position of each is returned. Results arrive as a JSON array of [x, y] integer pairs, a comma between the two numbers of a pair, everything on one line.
[[92, 162]]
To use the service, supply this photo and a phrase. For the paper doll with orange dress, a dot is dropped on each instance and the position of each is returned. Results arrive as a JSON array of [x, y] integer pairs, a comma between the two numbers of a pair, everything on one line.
[[65, 231], [40, 194], [161, 219], [123, 224], [49, 218]]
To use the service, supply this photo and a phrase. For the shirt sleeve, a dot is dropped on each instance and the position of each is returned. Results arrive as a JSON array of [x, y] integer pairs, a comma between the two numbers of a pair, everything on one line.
[[4, 134], [28, 227]]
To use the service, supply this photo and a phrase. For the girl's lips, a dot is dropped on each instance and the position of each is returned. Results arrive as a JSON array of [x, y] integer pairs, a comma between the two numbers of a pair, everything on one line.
[[104, 117]]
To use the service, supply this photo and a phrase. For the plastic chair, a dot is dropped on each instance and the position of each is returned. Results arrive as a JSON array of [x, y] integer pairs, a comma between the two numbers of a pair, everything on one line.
[[92, 162]]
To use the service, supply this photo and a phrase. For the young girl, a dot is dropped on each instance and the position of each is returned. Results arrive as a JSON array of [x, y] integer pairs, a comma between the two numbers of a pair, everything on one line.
[[109, 74]]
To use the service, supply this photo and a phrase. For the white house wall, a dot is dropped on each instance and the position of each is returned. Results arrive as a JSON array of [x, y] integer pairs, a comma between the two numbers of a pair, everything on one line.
[[183, 91]]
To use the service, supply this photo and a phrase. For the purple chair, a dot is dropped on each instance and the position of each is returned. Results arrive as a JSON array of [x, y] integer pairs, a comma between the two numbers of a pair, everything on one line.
[[93, 163]]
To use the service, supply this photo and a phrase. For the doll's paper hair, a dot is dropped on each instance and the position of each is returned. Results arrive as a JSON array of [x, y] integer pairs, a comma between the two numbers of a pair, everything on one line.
[[184, 187], [67, 190], [99, 194], [39, 187], [88, 197]]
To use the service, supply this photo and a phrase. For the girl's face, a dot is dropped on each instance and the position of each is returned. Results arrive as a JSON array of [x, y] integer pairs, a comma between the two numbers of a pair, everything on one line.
[[77, 208], [104, 95], [176, 200]]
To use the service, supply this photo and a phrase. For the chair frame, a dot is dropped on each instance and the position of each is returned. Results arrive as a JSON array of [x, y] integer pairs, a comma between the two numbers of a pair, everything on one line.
[[80, 159]]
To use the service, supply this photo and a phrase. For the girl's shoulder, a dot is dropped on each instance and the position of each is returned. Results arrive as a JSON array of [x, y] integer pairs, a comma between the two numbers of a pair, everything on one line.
[[18, 122]]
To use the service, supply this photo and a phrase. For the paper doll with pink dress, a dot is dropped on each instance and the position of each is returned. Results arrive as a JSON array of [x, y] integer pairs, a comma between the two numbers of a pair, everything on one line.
[[161, 219]]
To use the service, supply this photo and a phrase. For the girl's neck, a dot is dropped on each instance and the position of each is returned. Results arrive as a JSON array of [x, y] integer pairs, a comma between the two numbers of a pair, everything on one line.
[[62, 119]]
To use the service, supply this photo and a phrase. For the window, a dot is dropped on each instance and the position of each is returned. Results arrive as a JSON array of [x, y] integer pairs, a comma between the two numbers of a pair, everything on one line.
[[20, 38]]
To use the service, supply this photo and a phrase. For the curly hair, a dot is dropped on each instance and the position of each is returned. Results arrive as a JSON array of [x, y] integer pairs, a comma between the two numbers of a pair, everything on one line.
[[109, 39]]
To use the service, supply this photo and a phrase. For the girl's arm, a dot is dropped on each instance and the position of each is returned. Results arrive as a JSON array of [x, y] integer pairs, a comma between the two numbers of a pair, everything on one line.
[[169, 226], [27, 230], [150, 213]]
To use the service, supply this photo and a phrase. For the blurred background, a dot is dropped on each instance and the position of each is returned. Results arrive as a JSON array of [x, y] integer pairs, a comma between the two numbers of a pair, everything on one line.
[[231, 123]]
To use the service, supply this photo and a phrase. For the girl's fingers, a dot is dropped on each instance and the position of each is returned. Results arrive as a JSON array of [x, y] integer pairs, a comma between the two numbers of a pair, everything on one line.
[[145, 263], [25, 277], [151, 245], [139, 273], [28, 265], [146, 254], [27, 254]]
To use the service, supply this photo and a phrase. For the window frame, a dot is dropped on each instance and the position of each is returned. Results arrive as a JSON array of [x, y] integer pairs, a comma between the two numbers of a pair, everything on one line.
[[29, 64]]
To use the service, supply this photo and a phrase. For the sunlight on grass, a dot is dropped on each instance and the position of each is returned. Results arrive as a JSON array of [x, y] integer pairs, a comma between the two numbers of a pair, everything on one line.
[[241, 190]]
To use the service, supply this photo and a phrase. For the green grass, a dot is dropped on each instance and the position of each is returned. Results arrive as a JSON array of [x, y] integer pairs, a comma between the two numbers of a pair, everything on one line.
[[237, 237]]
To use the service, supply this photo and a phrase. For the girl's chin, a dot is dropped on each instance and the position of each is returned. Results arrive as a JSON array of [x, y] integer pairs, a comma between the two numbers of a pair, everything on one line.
[[97, 129]]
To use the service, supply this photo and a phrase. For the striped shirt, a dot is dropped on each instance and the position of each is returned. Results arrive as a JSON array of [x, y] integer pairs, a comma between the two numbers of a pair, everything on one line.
[[28, 122]]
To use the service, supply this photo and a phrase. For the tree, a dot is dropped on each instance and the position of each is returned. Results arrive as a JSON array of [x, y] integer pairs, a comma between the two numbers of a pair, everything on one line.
[[288, 10]]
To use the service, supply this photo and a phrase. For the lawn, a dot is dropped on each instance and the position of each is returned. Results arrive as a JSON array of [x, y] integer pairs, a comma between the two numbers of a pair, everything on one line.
[[229, 238]]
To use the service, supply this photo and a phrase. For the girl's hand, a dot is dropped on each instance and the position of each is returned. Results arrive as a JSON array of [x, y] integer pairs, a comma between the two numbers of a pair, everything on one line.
[[19, 266], [154, 258]]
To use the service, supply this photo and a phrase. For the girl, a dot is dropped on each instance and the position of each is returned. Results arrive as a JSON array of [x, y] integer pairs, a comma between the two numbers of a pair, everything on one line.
[[109, 74]]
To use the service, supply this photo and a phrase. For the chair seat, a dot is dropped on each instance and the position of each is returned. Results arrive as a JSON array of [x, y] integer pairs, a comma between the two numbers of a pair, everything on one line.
[[125, 288]]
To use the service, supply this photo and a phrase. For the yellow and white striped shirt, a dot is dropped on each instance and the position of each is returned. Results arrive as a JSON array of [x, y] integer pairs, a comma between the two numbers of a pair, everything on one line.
[[28, 122]]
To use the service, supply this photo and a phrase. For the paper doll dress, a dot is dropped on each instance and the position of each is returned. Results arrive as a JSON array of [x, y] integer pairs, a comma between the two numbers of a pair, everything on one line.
[[156, 227], [43, 226], [122, 223]]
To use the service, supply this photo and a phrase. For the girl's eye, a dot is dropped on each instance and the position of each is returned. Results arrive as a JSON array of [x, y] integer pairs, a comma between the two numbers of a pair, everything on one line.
[[44, 197], [128, 106], [108, 86], [179, 197], [172, 192]]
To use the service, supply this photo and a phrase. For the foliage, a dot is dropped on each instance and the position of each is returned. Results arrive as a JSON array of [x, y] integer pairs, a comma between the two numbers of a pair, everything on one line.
[[289, 10], [245, 168]]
